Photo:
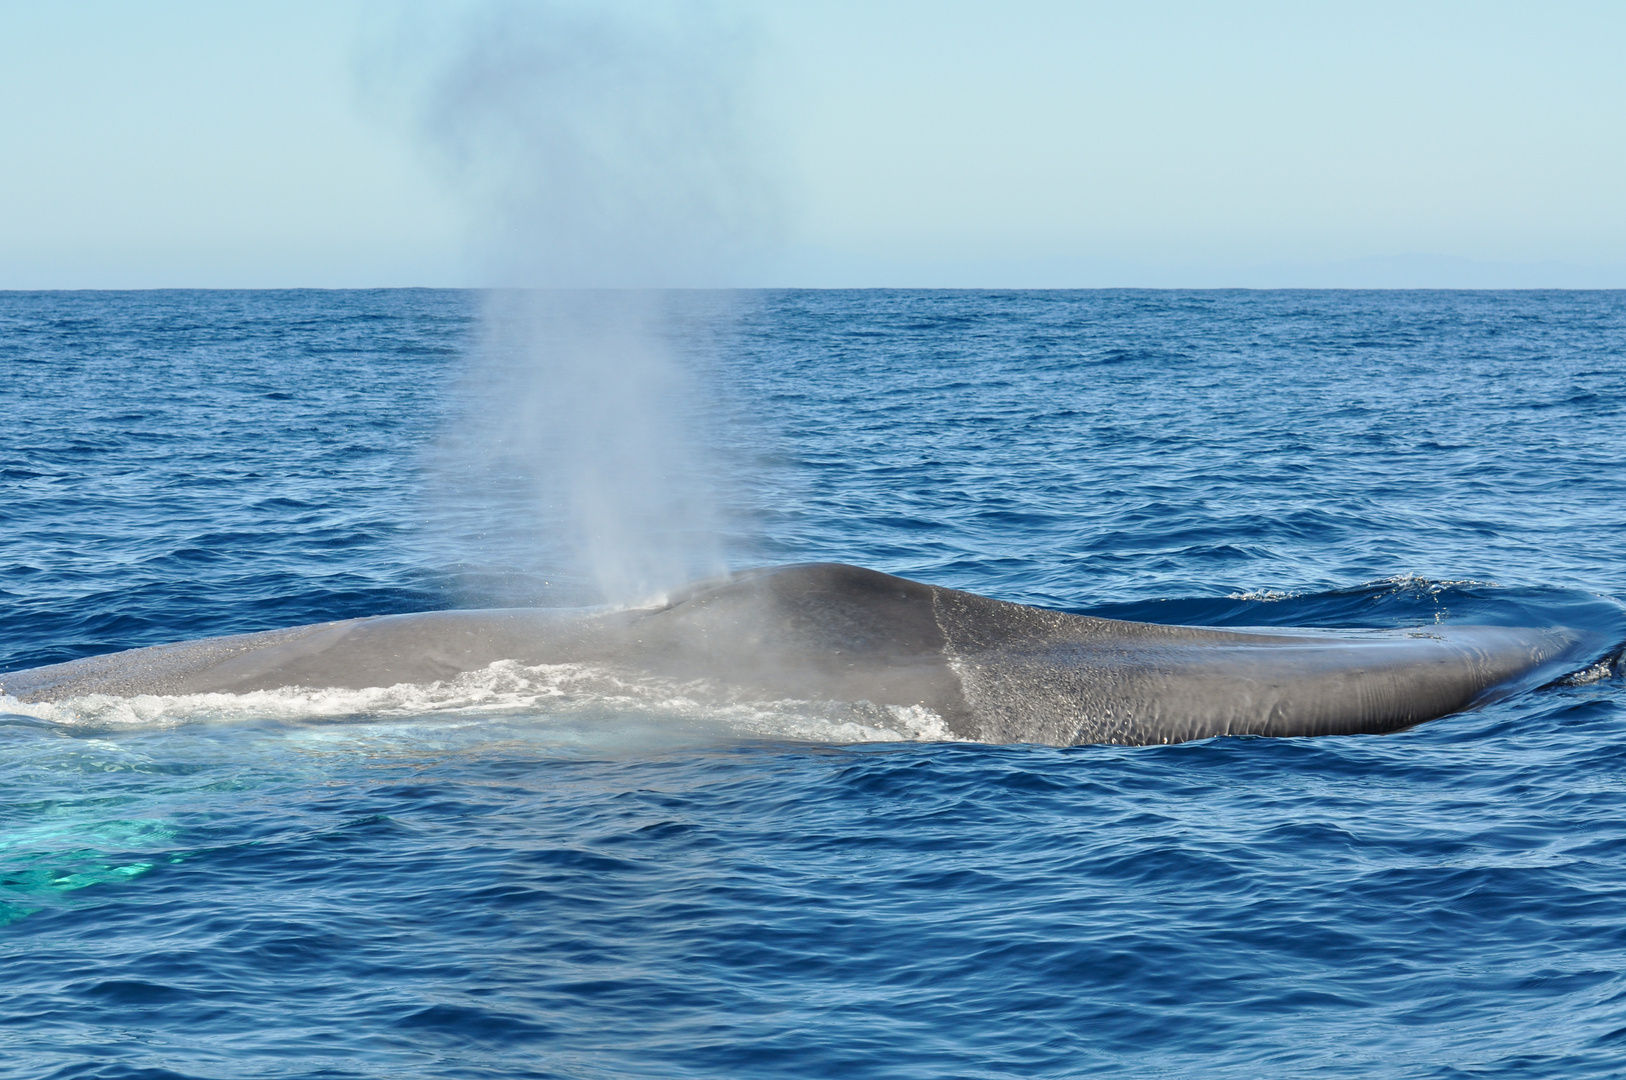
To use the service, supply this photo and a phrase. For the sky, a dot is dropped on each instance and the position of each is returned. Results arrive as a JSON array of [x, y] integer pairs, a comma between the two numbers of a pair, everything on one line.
[[354, 143]]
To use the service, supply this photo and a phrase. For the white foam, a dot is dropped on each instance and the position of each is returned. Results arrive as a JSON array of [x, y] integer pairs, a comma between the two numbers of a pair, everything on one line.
[[574, 695], [1399, 583], [1430, 586], [1266, 595], [1603, 669]]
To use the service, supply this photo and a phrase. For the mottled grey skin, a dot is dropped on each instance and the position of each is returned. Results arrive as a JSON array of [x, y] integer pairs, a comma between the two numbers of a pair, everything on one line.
[[995, 672]]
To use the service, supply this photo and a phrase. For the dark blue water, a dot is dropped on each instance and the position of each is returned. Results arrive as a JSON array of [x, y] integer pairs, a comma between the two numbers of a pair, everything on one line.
[[564, 887]]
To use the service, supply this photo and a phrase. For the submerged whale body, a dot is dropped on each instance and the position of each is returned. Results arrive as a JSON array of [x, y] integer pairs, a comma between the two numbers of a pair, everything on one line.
[[993, 671]]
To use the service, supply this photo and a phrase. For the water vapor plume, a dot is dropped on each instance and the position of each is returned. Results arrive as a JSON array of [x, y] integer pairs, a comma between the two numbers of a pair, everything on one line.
[[574, 450], [609, 158]]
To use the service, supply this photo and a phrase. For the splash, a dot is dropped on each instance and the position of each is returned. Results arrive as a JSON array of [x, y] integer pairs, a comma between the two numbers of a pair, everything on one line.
[[569, 702]]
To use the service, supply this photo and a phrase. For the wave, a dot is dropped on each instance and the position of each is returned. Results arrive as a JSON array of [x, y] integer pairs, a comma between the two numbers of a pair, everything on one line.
[[1402, 601]]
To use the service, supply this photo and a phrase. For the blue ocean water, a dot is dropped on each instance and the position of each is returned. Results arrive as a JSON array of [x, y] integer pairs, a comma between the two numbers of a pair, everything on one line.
[[567, 887]]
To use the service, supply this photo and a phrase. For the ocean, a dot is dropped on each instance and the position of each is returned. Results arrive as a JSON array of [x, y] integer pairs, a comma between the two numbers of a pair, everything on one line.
[[511, 880]]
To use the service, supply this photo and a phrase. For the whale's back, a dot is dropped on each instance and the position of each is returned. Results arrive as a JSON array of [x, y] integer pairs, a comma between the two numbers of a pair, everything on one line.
[[994, 671]]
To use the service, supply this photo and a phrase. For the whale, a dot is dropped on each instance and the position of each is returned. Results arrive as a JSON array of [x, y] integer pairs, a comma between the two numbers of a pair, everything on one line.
[[993, 671]]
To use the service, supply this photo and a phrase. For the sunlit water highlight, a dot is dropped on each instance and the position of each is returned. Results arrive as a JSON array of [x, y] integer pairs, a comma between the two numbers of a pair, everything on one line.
[[553, 872]]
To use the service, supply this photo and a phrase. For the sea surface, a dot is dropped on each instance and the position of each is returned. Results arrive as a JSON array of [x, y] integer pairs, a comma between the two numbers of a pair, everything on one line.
[[543, 882]]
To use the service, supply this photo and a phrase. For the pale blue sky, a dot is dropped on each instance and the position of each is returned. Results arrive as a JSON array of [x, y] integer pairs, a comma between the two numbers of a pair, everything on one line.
[[903, 143]]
